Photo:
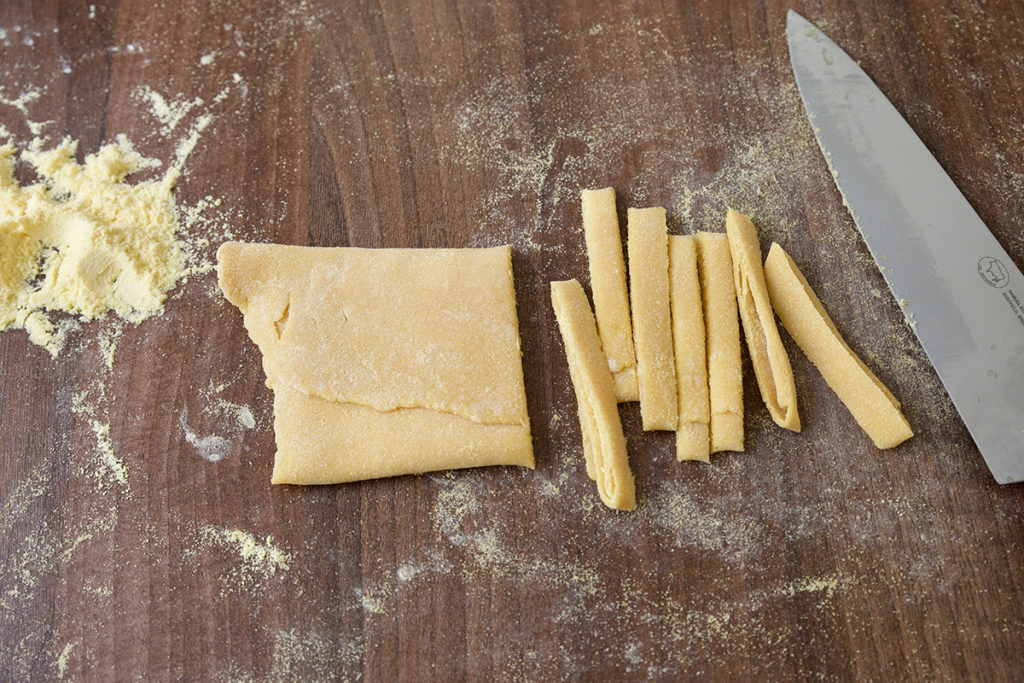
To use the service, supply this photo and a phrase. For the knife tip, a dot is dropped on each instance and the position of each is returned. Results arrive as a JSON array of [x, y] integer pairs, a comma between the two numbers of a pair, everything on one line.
[[795, 19]]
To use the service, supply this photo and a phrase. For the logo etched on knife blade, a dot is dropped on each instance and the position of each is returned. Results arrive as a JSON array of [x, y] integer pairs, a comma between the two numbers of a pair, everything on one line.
[[993, 272]]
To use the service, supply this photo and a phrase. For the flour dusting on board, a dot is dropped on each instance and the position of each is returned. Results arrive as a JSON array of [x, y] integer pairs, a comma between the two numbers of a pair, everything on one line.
[[375, 600], [586, 600], [305, 654], [92, 243], [31, 488], [212, 448], [218, 407], [257, 561], [455, 514], [91, 404], [111, 463], [88, 239], [167, 111], [65, 655], [232, 418], [693, 521]]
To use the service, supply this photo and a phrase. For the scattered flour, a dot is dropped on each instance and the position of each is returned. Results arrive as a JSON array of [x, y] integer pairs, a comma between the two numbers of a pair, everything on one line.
[[258, 560], [168, 112], [111, 463], [455, 512], [214, 448], [33, 487], [84, 242], [28, 561], [21, 103], [244, 415], [408, 571], [827, 585], [188, 144], [62, 660], [107, 339], [375, 600], [312, 655], [698, 523], [211, 448], [79, 539], [220, 407], [85, 233], [91, 404]]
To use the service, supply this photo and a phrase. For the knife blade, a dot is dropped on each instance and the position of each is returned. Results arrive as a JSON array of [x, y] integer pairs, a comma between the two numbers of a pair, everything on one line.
[[962, 293]]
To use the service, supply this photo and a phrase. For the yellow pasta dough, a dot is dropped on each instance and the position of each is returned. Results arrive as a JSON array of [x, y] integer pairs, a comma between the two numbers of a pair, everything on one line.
[[647, 243], [873, 406], [693, 433], [608, 283], [604, 442], [321, 441], [384, 361], [767, 354], [725, 369]]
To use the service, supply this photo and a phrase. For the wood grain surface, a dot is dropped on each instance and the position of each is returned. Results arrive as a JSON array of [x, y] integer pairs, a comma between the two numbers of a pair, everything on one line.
[[450, 124]]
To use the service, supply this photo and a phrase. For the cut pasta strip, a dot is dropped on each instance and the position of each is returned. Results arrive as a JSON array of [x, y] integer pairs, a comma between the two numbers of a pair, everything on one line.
[[608, 284], [873, 406], [647, 242], [725, 370], [607, 462], [693, 433], [767, 354]]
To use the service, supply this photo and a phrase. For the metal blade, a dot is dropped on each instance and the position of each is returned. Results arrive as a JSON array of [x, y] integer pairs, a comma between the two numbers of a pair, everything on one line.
[[961, 291]]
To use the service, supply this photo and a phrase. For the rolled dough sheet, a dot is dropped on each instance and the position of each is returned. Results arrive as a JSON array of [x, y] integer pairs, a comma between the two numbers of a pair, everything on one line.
[[312, 432], [384, 361], [647, 243], [608, 283], [603, 441], [873, 406], [767, 354], [693, 433], [725, 370]]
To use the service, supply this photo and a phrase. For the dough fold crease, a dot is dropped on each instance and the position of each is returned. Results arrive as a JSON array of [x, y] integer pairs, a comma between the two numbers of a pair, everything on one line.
[[384, 361]]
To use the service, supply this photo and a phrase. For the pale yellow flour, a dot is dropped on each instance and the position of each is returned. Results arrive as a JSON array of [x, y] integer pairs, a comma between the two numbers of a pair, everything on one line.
[[62, 660], [167, 111], [82, 241], [257, 558]]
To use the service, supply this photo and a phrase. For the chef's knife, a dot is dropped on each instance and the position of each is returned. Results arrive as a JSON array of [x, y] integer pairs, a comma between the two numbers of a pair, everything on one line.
[[961, 292]]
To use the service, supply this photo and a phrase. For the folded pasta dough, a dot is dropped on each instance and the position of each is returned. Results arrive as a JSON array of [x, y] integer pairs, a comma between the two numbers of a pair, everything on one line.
[[384, 361], [873, 406], [312, 434], [767, 354], [725, 367], [693, 436], [604, 445], [608, 284], [647, 244]]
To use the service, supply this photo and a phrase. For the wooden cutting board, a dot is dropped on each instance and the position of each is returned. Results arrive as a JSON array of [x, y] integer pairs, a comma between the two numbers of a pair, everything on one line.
[[393, 124]]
